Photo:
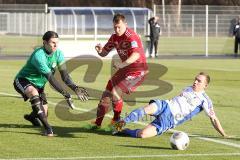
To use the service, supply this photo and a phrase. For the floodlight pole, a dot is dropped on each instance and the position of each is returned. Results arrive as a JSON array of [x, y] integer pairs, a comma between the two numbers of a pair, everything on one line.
[[46, 17], [154, 10], [95, 25], [20, 24], [134, 21], [179, 12], [163, 12], [75, 25], [206, 38]]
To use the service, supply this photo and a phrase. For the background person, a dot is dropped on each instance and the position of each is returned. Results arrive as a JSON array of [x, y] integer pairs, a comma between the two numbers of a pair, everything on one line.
[[155, 32], [236, 33], [40, 68]]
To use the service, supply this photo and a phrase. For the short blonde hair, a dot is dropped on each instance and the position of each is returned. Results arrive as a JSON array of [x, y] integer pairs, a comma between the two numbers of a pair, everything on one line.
[[206, 75]]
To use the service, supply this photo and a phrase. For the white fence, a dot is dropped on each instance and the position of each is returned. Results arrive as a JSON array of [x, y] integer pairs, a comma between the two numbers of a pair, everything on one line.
[[23, 19], [185, 30], [198, 29], [191, 20]]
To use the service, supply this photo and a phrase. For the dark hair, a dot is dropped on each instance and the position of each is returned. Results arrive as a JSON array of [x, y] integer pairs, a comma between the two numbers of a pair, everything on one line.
[[206, 75], [119, 17], [152, 19], [49, 34]]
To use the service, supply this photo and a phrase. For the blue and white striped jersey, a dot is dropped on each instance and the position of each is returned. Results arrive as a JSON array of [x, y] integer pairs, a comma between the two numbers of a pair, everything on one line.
[[189, 104]]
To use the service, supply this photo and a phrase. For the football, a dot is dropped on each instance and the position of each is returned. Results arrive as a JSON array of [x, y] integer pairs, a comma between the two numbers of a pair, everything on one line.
[[179, 141]]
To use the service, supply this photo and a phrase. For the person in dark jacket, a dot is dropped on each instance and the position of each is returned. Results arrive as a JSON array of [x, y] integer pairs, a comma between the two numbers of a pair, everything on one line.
[[155, 32], [236, 33]]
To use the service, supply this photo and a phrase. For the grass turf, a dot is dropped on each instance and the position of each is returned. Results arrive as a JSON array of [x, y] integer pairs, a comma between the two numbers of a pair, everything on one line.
[[20, 140], [24, 45]]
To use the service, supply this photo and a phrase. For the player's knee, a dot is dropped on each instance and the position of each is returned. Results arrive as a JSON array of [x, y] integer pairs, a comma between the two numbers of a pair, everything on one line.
[[151, 109], [143, 134], [31, 91]]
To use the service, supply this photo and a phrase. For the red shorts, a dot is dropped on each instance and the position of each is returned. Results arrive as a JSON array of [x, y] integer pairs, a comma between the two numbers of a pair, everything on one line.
[[127, 82]]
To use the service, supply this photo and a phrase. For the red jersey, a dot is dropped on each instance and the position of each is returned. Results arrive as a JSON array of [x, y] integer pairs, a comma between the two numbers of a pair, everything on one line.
[[125, 45]]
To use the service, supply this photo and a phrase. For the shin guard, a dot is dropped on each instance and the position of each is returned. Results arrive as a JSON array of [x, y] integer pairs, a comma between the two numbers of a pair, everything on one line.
[[37, 109]]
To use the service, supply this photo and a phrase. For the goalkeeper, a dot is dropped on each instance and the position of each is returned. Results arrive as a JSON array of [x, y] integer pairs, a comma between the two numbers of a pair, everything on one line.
[[40, 68]]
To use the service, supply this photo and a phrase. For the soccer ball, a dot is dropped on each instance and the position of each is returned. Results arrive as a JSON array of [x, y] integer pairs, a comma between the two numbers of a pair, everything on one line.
[[179, 140]]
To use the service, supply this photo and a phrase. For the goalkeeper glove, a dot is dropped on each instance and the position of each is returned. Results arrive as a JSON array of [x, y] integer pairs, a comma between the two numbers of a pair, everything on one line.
[[68, 99], [81, 93]]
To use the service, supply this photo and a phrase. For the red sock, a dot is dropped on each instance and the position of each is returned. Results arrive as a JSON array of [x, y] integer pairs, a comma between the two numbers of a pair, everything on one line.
[[117, 109], [101, 111]]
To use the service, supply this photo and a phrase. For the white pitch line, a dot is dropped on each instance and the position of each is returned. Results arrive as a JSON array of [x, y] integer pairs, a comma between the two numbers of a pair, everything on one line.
[[133, 156], [219, 141], [202, 138], [144, 124]]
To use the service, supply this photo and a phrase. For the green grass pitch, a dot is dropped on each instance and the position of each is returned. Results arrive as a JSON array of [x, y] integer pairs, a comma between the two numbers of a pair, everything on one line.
[[19, 140], [23, 45]]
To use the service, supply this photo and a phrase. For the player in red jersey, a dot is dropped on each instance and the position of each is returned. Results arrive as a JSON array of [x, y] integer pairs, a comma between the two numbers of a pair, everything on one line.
[[130, 71]]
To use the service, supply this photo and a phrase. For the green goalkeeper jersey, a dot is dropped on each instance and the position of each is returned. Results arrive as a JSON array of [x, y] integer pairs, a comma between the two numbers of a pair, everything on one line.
[[39, 64]]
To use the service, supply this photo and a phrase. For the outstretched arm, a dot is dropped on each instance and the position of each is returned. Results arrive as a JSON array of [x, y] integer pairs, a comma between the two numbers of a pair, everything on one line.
[[65, 77], [80, 91], [60, 89], [217, 125], [56, 85]]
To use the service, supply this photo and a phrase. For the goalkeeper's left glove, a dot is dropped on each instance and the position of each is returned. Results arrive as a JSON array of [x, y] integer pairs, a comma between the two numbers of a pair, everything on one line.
[[81, 93]]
